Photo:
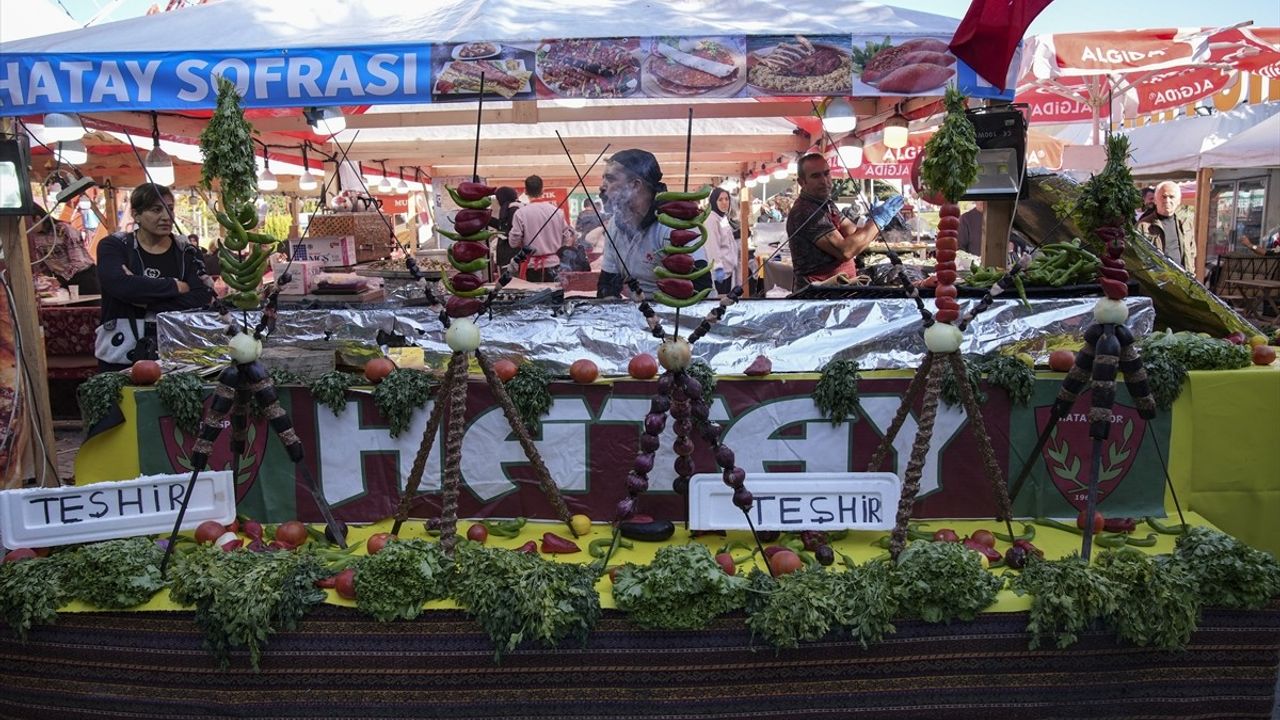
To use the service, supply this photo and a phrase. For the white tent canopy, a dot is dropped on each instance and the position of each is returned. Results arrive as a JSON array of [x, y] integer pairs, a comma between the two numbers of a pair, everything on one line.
[[1180, 145], [1258, 146]]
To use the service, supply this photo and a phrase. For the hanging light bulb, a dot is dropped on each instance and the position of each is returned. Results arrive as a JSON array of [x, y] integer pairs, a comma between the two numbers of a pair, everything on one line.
[[749, 183], [792, 168], [72, 152], [62, 127], [402, 187], [850, 152], [839, 117], [266, 179], [781, 173], [157, 165], [384, 185], [307, 181], [895, 131], [325, 120]]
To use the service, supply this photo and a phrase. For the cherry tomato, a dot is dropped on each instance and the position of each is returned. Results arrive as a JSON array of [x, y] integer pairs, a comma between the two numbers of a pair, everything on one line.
[[377, 369], [292, 533], [785, 561], [376, 542], [477, 532], [642, 367], [584, 371], [505, 370], [145, 372]]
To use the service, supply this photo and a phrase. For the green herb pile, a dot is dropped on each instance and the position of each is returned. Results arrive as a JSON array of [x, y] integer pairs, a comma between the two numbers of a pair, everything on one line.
[[1066, 598], [31, 591], [394, 583], [951, 156], [330, 390], [117, 574], [99, 394], [1010, 374], [949, 388], [797, 607], [400, 394], [941, 582], [683, 589], [1167, 356], [182, 394], [528, 392], [227, 146], [518, 597], [706, 377], [1111, 198], [836, 393], [1165, 375], [1230, 573], [868, 600], [242, 597], [1157, 598]]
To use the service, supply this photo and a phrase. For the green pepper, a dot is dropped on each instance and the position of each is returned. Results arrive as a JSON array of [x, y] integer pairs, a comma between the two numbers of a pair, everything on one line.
[[468, 267], [1148, 541], [478, 292], [668, 275], [678, 224], [1164, 529], [691, 247], [1048, 522], [670, 196], [669, 301], [481, 237], [599, 548], [480, 204], [1028, 534], [915, 533], [500, 528], [1111, 540], [882, 542]]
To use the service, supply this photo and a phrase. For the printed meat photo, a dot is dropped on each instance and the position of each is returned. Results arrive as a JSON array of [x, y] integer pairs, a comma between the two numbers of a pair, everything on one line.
[[911, 66], [506, 78], [685, 67], [799, 65], [589, 68]]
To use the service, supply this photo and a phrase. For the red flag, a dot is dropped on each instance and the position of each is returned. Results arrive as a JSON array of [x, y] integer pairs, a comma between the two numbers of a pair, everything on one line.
[[989, 35]]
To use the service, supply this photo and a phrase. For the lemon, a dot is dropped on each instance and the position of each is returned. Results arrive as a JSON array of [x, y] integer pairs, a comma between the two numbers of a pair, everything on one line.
[[581, 525], [1257, 340]]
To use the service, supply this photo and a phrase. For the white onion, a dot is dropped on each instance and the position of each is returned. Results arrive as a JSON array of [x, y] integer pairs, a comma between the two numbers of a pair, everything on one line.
[[675, 355], [1110, 312], [245, 348], [943, 337], [463, 336]]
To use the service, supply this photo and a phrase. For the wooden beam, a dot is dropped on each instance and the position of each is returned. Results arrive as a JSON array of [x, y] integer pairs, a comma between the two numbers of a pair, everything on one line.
[[995, 233], [430, 152], [1204, 187]]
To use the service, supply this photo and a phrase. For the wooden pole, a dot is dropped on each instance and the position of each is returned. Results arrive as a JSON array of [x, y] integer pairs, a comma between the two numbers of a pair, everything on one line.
[[996, 220], [113, 208], [26, 314], [744, 230], [1204, 187]]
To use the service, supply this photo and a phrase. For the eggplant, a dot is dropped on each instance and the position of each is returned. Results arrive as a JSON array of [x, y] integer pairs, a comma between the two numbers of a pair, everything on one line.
[[654, 531]]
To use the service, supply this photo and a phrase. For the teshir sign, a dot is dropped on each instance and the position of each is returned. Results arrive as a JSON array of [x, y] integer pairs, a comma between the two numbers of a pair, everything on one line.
[[798, 501], [46, 517]]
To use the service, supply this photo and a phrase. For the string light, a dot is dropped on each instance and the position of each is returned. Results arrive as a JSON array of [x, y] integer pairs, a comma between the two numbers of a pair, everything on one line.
[[839, 117], [895, 130], [307, 181], [158, 165], [266, 179]]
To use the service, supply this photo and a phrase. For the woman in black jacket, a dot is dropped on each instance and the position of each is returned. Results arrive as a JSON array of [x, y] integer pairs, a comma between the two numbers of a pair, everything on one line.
[[144, 272]]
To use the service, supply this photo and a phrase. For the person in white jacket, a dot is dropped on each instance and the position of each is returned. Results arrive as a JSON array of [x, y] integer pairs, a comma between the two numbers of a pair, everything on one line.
[[723, 247]]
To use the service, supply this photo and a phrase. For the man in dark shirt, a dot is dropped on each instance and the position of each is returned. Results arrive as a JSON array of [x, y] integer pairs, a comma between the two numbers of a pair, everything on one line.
[[823, 242], [970, 239]]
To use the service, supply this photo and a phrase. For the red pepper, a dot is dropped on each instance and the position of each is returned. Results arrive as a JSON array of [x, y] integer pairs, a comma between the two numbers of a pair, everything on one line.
[[947, 244], [949, 210], [945, 265], [460, 307], [683, 209], [553, 544], [680, 238], [1114, 289], [946, 277], [992, 554], [949, 223], [946, 316], [1118, 274], [1120, 525], [944, 291], [253, 529], [679, 263], [1113, 263], [475, 191], [466, 281], [465, 252], [530, 548], [680, 289]]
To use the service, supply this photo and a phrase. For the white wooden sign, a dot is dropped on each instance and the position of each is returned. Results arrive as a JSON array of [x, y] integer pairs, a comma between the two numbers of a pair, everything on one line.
[[45, 517], [798, 501]]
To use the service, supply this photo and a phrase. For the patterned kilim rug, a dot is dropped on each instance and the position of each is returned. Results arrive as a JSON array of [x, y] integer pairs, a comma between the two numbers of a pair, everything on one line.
[[340, 664]]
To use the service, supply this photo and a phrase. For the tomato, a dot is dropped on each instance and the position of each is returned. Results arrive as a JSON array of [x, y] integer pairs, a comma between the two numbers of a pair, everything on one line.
[[945, 291], [984, 537], [1263, 355], [643, 366], [1061, 360], [346, 584], [292, 533], [20, 554], [145, 372], [375, 543], [505, 370], [946, 535], [726, 562], [613, 572], [377, 369], [208, 531], [784, 561], [478, 533], [1098, 521], [584, 371]]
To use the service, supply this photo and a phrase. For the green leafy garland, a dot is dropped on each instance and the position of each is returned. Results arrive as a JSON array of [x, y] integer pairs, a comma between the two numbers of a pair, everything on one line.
[[1165, 375], [1111, 198], [836, 393], [400, 394], [99, 395], [528, 392], [182, 394], [950, 163], [227, 146], [330, 390], [684, 588]]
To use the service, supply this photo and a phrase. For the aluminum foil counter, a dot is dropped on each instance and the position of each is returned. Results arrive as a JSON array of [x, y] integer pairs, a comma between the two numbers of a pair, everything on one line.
[[797, 335]]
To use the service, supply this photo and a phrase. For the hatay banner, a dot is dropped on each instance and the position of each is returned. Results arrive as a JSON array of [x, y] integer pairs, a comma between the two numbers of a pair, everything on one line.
[[589, 440], [635, 67]]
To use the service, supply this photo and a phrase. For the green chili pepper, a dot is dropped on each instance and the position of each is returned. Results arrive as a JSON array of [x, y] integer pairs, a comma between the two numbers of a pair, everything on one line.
[[599, 548], [672, 196], [444, 280], [481, 237], [500, 529], [1148, 541], [691, 247], [1048, 522], [669, 301], [1022, 291], [1028, 534], [914, 532], [1164, 529], [468, 267], [678, 224], [1111, 540], [667, 274], [480, 204]]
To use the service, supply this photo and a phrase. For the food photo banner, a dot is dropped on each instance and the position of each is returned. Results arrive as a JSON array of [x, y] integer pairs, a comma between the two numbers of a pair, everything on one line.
[[588, 440], [658, 67]]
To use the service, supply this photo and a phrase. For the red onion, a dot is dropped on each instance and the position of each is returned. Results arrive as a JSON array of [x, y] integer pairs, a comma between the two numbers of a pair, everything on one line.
[[684, 465], [654, 423], [735, 477], [649, 443], [724, 457], [692, 386], [742, 498], [711, 432], [683, 446], [699, 409], [626, 508], [683, 427], [644, 463], [659, 404], [664, 384], [637, 484], [680, 485]]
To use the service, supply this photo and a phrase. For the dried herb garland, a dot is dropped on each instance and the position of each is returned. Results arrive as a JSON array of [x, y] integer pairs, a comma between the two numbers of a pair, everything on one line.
[[399, 394], [528, 392], [1111, 197], [98, 395], [330, 390], [227, 146], [950, 163], [182, 394], [836, 393]]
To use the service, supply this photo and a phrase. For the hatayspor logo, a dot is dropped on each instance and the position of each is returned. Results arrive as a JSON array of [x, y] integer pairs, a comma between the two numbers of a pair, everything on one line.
[[1069, 450]]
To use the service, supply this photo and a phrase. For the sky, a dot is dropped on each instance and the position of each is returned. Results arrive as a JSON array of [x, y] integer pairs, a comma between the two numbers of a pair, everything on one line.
[[1061, 16]]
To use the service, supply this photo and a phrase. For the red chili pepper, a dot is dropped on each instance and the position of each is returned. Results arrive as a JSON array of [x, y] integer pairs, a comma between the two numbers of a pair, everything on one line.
[[683, 209], [680, 263], [680, 238], [474, 191], [553, 544], [681, 289], [1120, 525]]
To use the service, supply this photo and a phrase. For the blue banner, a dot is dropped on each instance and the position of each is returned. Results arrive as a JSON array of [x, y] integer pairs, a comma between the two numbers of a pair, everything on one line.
[[67, 82]]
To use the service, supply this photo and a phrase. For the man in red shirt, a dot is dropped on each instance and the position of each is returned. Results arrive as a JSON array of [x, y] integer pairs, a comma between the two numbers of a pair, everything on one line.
[[541, 227]]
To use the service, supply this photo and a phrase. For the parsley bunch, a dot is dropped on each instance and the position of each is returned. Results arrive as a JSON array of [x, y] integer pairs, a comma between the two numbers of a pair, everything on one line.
[[182, 394], [226, 144], [683, 589], [1157, 598], [1110, 198], [705, 376], [399, 394], [836, 393], [517, 597], [31, 591], [951, 156], [117, 574], [394, 583], [798, 607], [867, 599], [1230, 573], [949, 389], [528, 392], [940, 582], [99, 394], [1066, 598], [330, 390], [1010, 374]]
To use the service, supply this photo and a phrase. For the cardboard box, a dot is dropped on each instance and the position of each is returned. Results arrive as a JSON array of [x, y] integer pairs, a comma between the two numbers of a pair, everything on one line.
[[331, 251], [372, 236], [303, 274]]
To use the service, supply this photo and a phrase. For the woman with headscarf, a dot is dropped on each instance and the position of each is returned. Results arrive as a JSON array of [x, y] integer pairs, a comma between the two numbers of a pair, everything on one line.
[[508, 203], [632, 179], [723, 249]]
